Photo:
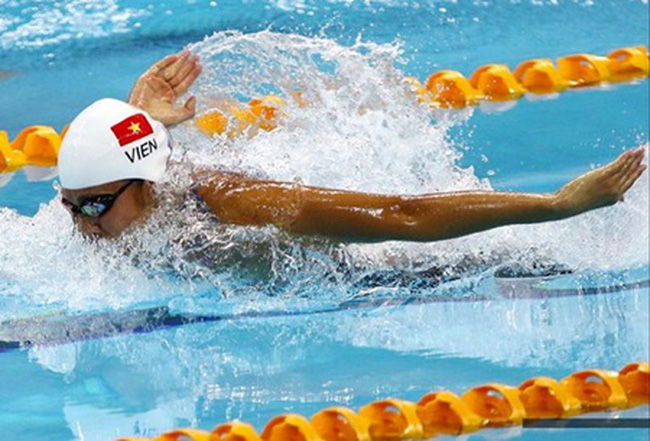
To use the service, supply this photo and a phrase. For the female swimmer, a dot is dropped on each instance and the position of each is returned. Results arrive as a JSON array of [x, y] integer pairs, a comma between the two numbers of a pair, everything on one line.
[[115, 152]]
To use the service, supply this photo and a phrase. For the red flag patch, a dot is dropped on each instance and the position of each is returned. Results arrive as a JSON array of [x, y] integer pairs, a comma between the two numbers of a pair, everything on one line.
[[131, 129]]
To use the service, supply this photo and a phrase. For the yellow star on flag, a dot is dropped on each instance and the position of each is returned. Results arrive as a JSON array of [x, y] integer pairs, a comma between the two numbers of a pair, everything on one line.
[[135, 128]]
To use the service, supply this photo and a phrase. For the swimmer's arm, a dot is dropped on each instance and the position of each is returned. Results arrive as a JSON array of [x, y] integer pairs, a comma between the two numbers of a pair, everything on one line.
[[363, 217]]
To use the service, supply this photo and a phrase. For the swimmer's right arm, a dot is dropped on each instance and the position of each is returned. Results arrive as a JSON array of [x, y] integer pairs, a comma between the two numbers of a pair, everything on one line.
[[362, 217]]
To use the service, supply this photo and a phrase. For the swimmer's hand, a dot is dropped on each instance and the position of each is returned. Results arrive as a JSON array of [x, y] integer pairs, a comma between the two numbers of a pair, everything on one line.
[[157, 89], [603, 186]]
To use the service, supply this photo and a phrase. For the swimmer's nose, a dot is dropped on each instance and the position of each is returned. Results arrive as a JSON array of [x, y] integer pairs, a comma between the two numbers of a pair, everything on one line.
[[88, 225]]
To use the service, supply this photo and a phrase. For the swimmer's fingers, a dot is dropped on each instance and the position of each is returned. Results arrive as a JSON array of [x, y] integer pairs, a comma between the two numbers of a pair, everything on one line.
[[161, 89], [162, 64], [190, 107], [617, 168], [182, 72], [632, 178], [632, 159], [191, 76], [186, 69], [171, 70]]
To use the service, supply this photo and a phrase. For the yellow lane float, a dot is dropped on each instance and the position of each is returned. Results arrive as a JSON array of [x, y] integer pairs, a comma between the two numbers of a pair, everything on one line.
[[443, 412], [540, 76], [10, 159], [498, 404], [584, 69], [392, 420], [341, 424], [289, 428], [450, 89], [629, 63], [635, 380], [496, 83], [234, 118], [596, 389], [34, 145], [544, 397]]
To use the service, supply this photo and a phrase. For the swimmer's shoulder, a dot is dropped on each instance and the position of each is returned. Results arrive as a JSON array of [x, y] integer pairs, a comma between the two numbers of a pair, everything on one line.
[[217, 190], [215, 180]]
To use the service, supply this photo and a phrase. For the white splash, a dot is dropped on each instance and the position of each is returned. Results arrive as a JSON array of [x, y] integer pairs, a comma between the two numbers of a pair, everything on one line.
[[361, 131]]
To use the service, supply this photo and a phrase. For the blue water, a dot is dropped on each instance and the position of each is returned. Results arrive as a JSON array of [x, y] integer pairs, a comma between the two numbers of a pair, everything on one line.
[[64, 55]]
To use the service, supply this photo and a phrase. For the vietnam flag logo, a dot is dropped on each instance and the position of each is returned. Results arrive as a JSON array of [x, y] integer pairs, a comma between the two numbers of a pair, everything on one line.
[[131, 129]]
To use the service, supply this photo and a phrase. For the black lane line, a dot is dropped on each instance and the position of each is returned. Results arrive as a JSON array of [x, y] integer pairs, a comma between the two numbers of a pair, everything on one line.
[[62, 329], [589, 423]]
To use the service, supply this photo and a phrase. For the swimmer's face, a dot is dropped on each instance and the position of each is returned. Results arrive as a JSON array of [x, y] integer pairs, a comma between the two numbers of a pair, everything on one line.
[[128, 208]]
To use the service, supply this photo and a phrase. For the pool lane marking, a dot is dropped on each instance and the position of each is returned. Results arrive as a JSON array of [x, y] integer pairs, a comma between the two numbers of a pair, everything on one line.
[[62, 329], [536, 289], [588, 423]]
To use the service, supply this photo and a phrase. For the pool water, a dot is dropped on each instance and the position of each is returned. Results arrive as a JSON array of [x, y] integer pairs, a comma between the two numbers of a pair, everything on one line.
[[324, 323]]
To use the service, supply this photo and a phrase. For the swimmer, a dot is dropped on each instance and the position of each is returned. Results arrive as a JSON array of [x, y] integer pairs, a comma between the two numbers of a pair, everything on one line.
[[114, 153]]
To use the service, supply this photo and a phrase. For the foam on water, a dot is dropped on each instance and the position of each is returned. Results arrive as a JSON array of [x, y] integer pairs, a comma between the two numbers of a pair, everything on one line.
[[360, 131], [34, 24]]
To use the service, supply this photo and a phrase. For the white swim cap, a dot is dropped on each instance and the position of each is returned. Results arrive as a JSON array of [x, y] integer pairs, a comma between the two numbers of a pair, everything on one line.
[[110, 141]]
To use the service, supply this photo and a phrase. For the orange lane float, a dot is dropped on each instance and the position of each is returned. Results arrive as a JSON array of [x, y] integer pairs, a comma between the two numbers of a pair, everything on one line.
[[584, 69], [443, 412], [544, 397], [392, 420], [629, 63], [341, 424], [596, 389], [234, 118], [450, 89], [39, 144], [496, 83], [635, 380], [540, 76], [498, 404], [10, 159], [289, 428], [34, 145]]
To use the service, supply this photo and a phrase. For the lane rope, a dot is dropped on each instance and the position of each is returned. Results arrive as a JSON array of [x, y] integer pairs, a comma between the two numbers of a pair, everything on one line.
[[443, 412], [36, 148]]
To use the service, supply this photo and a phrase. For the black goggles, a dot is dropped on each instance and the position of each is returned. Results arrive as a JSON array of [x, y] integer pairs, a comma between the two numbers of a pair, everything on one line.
[[97, 205]]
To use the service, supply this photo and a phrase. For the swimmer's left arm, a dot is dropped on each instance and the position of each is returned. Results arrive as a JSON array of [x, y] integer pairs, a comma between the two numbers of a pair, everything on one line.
[[158, 88], [363, 217]]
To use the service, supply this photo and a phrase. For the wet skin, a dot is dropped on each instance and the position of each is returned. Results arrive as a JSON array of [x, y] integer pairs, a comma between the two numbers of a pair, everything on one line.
[[344, 215], [362, 217], [130, 208]]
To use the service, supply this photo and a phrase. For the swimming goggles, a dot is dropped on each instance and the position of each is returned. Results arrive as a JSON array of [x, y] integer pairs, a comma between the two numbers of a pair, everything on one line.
[[97, 205]]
